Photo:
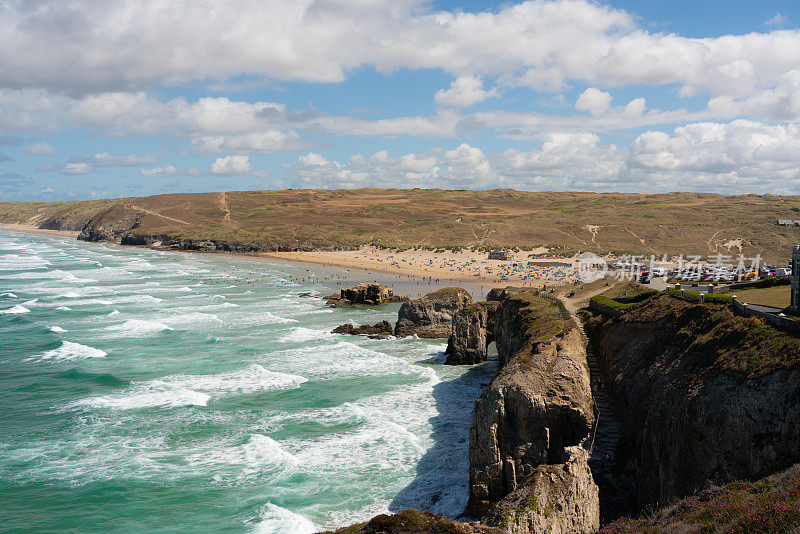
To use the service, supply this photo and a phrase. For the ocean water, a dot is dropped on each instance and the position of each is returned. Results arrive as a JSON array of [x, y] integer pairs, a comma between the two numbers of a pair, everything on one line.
[[149, 391]]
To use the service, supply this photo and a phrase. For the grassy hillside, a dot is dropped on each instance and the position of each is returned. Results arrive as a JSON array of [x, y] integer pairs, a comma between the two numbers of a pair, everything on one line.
[[771, 504], [671, 223]]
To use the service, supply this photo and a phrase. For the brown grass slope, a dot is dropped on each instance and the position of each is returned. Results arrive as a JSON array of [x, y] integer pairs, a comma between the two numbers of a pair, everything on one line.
[[673, 223]]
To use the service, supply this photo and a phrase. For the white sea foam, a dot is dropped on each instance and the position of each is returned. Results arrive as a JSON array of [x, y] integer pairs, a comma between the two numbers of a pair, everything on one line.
[[8, 295], [258, 456], [277, 520], [57, 329], [15, 309], [64, 308], [148, 395], [137, 328], [113, 313], [301, 334], [194, 390], [344, 359], [69, 351]]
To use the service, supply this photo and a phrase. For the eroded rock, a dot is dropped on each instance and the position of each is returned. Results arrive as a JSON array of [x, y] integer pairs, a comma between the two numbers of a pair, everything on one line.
[[539, 403], [557, 499], [431, 316], [368, 294], [382, 329], [472, 331]]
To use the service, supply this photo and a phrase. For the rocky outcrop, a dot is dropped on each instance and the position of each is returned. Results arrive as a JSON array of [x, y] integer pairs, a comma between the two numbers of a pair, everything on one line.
[[111, 225], [368, 294], [703, 397], [416, 522], [556, 499], [473, 330], [539, 403], [379, 330], [432, 315]]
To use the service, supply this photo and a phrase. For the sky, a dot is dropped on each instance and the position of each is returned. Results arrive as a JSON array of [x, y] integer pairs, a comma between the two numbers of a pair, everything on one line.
[[114, 98]]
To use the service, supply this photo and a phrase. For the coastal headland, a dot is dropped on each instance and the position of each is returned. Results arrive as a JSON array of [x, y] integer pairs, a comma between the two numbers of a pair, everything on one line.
[[540, 224]]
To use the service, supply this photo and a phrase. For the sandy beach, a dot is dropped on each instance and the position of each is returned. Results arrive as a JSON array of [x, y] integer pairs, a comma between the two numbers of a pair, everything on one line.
[[468, 265], [31, 228]]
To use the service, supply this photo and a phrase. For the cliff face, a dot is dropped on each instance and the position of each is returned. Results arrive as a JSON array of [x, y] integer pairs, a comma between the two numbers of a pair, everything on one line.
[[539, 404], [431, 316], [473, 330], [111, 225], [704, 397], [557, 499]]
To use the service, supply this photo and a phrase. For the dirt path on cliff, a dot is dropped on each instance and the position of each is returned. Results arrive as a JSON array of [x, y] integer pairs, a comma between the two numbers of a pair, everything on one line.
[[223, 205], [150, 212], [573, 305]]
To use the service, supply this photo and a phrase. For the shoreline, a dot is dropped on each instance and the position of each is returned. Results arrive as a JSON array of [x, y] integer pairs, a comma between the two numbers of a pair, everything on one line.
[[35, 230], [470, 267], [408, 271]]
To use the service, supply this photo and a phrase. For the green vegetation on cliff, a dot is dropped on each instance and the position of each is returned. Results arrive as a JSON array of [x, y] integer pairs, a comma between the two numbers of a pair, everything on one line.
[[769, 505], [723, 340]]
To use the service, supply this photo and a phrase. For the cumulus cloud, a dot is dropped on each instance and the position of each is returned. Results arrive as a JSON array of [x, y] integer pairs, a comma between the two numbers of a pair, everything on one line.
[[40, 149], [230, 166], [464, 91], [133, 44], [594, 101], [265, 142], [730, 157]]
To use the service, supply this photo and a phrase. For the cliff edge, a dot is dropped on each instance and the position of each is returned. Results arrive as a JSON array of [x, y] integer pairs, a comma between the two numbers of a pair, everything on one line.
[[537, 407], [704, 397]]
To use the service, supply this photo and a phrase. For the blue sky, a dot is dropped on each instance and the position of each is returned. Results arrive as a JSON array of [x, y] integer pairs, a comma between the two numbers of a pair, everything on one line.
[[121, 98]]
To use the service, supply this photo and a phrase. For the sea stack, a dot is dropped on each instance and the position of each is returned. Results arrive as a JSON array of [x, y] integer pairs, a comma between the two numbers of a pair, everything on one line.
[[432, 315], [366, 293]]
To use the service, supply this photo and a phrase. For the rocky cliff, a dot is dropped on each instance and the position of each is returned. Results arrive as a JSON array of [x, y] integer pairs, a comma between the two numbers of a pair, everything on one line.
[[431, 316], [537, 406], [472, 331], [556, 499], [704, 397]]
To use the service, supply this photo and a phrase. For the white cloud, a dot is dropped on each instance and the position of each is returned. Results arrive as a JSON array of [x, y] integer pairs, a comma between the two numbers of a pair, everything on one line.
[[133, 44], [40, 149], [464, 91], [162, 172], [231, 166], [47, 167], [104, 159], [265, 142], [734, 157], [76, 168], [594, 101], [778, 21]]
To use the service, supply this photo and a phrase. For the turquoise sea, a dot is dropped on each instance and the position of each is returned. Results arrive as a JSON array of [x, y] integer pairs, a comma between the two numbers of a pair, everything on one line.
[[150, 391]]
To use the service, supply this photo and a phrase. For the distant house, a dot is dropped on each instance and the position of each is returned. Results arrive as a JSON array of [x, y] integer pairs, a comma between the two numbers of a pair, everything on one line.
[[786, 222], [499, 255]]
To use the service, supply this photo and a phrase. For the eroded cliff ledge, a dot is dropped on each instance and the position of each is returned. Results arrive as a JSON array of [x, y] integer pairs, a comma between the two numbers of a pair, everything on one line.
[[538, 406], [704, 397]]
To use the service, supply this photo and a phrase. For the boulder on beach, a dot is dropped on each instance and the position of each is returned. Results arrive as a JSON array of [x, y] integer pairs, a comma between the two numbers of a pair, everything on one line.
[[366, 293], [432, 315]]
